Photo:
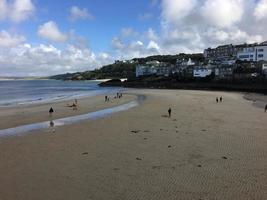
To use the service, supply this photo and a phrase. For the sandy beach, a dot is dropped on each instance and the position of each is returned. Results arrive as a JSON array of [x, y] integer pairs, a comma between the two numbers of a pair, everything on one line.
[[205, 150]]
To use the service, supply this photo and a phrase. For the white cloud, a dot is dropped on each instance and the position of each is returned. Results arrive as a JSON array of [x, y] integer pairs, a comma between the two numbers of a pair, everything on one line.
[[124, 49], [231, 36], [151, 34], [223, 13], [50, 31], [135, 45], [17, 10], [25, 59], [77, 13], [153, 46], [117, 44], [8, 40], [260, 11], [191, 26], [175, 10], [22, 9], [3, 9]]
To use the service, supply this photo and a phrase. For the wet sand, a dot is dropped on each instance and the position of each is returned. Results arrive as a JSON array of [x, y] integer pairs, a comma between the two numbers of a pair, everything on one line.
[[33, 113], [204, 151]]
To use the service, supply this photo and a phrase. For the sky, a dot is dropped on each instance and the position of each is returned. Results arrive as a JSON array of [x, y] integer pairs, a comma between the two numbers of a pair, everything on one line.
[[47, 37]]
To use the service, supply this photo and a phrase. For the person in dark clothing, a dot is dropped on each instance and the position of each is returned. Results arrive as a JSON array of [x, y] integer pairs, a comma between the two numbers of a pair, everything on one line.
[[221, 99], [266, 108], [51, 110], [217, 100], [170, 112]]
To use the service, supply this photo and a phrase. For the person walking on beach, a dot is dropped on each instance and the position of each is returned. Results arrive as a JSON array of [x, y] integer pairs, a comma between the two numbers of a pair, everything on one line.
[[51, 110], [266, 108], [170, 112], [221, 99], [106, 98], [217, 100]]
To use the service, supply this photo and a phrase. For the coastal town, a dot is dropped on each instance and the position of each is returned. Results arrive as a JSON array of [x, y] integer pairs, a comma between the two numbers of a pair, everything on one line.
[[226, 62]]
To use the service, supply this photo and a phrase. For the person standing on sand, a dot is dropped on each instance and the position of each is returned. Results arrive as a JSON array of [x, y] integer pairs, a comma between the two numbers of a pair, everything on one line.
[[221, 99], [266, 108], [217, 100], [170, 112], [51, 110]]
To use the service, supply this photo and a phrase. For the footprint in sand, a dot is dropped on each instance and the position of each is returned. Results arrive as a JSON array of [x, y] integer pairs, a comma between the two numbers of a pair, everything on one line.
[[116, 169], [138, 158], [85, 153], [145, 138], [169, 146], [156, 167], [135, 131], [199, 166], [225, 158]]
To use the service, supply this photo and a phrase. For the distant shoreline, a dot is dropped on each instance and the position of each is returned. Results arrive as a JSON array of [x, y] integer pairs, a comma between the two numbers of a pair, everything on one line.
[[22, 79]]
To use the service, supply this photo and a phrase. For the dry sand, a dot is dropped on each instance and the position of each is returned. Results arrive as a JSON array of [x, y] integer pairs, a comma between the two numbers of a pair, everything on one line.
[[204, 151]]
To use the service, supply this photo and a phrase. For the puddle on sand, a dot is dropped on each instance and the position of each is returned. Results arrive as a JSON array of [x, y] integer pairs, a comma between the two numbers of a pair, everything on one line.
[[20, 130]]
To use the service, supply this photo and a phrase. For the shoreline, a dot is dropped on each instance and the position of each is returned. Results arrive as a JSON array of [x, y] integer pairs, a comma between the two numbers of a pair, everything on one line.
[[33, 113], [54, 123], [46, 96]]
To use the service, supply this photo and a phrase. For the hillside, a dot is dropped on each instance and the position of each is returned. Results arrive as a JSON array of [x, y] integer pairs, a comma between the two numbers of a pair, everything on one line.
[[124, 69]]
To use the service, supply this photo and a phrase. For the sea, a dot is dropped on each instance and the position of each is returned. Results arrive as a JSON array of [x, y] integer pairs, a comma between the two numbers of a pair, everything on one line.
[[20, 92]]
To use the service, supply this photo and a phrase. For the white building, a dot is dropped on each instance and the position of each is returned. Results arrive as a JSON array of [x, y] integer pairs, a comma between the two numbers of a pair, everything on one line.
[[255, 53], [201, 72], [144, 70]]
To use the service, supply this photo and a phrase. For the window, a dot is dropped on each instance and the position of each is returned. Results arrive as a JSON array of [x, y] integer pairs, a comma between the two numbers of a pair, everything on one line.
[[244, 56], [260, 55], [260, 50]]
